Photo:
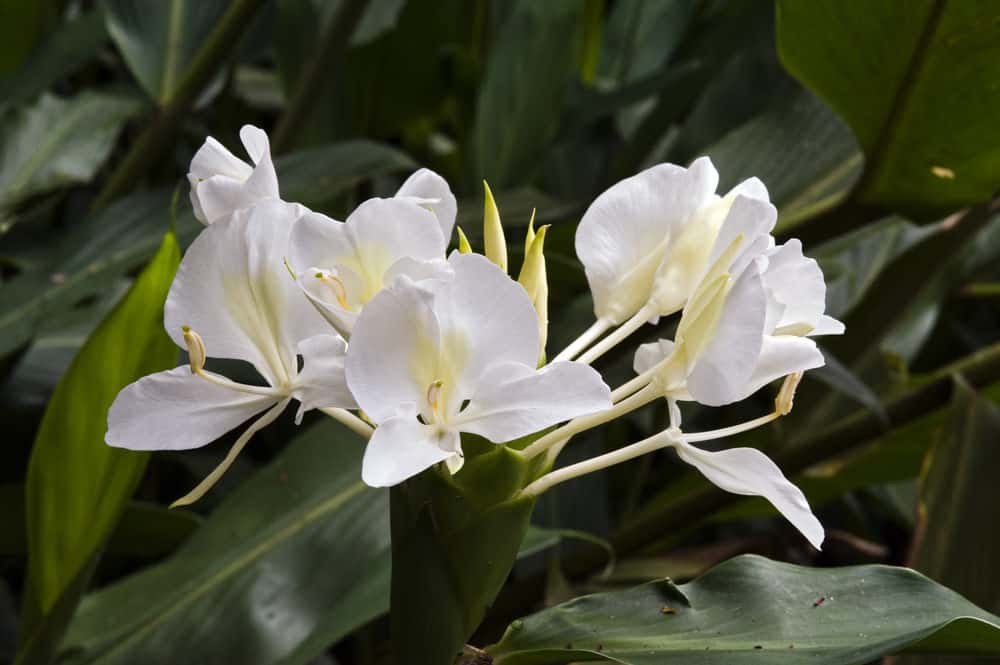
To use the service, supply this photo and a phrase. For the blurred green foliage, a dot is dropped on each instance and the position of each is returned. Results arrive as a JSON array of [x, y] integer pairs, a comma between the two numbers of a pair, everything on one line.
[[873, 125]]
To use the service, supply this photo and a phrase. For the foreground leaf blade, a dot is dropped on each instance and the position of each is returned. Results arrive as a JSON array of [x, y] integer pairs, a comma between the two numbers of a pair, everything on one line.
[[753, 610], [77, 486]]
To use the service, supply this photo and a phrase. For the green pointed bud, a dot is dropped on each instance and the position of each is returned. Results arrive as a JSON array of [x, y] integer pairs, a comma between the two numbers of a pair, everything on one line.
[[534, 279], [495, 245], [463, 242], [529, 237]]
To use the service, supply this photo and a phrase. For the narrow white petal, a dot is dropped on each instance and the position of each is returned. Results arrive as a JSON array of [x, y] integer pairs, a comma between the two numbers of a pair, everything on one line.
[[748, 471], [748, 217], [176, 410], [322, 382], [394, 352], [234, 290], [515, 400], [725, 364], [624, 234], [255, 141], [797, 283], [435, 195], [402, 447]]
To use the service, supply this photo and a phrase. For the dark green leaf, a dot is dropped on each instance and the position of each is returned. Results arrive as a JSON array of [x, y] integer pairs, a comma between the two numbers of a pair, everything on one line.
[[520, 101], [77, 486], [159, 40], [751, 610], [57, 142], [916, 86], [22, 25], [66, 49], [959, 495], [291, 562]]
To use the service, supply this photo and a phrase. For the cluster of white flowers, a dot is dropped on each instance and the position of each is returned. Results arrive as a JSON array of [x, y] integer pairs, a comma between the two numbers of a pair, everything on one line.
[[371, 315]]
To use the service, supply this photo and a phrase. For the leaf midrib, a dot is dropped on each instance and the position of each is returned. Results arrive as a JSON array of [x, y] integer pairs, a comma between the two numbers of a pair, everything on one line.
[[239, 563]]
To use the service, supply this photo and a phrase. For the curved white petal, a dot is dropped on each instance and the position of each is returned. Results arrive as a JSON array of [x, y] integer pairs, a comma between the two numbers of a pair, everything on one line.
[[749, 472], [222, 184], [322, 382], [176, 410], [752, 219], [781, 356], [648, 356], [486, 318], [624, 234], [402, 447], [514, 400], [752, 188], [431, 191], [394, 352], [234, 290], [725, 364], [796, 282]]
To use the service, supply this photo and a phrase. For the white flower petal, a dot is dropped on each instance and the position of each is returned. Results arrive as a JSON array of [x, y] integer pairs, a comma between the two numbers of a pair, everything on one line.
[[781, 356], [222, 184], [750, 218], [750, 472], [434, 194], [234, 290], [486, 318], [402, 447], [721, 370], [176, 410], [796, 282], [752, 188], [514, 400], [322, 382], [648, 356], [624, 234], [394, 352]]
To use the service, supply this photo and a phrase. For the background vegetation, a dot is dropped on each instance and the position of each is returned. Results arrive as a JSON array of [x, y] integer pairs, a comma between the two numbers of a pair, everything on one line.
[[874, 125]]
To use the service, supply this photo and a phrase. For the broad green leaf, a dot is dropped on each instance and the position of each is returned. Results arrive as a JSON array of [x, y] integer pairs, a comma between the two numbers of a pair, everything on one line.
[[57, 142], [520, 100], [454, 541], [22, 26], [159, 40], [66, 49], [639, 39], [800, 149], [916, 86], [144, 531], [751, 610], [959, 496], [77, 486], [94, 253], [296, 558]]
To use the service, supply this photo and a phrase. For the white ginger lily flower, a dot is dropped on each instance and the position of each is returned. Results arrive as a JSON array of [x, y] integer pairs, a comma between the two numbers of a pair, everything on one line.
[[342, 265], [222, 183], [645, 241], [457, 354], [746, 325], [430, 190], [233, 298]]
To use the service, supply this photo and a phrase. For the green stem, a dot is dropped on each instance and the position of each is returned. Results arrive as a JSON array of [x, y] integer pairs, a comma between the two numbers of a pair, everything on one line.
[[156, 135], [321, 72]]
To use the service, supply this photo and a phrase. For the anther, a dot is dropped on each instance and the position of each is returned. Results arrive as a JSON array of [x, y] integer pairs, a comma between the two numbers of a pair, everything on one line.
[[336, 287], [786, 396], [195, 348], [433, 394]]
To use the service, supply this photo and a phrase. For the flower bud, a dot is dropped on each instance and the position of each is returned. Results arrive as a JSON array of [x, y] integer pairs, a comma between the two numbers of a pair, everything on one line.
[[495, 245], [463, 242]]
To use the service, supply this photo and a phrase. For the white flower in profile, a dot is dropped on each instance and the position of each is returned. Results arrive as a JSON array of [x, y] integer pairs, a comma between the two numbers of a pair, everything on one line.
[[222, 183], [747, 324], [430, 190], [233, 298], [645, 241], [342, 265], [457, 354]]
